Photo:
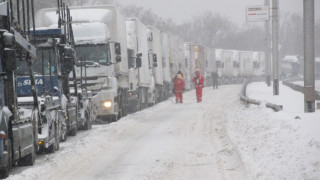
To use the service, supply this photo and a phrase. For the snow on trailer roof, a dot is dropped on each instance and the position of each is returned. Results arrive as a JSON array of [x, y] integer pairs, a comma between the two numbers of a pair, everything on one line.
[[84, 33], [48, 17], [90, 23], [294, 59]]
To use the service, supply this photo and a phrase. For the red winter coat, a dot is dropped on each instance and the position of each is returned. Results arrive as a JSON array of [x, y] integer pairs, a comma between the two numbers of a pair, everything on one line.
[[178, 84], [198, 80]]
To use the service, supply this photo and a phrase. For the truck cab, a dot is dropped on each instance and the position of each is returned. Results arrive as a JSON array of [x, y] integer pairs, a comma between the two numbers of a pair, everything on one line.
[[47, 79]]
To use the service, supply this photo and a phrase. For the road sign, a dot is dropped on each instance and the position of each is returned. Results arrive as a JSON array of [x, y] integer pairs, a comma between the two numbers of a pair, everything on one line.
[[257, 13]]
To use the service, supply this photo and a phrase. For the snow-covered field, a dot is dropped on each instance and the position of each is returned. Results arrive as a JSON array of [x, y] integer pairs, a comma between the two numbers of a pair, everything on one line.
[[282, 145], [219, 138]]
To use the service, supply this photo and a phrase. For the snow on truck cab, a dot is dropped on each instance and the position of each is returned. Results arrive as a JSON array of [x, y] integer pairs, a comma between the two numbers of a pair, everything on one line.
[[100, 42]]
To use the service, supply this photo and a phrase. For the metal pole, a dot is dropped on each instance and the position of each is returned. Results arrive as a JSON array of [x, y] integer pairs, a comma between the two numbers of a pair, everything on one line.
[[267, 57], [309, 62], [275, 50]]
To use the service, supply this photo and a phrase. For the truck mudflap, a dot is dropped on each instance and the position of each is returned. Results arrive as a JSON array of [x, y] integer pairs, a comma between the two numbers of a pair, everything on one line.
[[72, 124]]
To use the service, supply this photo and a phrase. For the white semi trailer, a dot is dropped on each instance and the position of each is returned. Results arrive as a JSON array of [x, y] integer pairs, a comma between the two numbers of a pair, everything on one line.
[[101, 47], [167, 81], [246, 64], [139, 64], [155, 49]]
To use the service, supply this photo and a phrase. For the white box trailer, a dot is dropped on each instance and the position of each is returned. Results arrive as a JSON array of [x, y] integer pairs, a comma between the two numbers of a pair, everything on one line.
[[98, 32], [227, 63], [174, 56], [200, 59], [236, 63], [256, 63], [167, 81], [262, 64], [188, 61], [210, 65], [156, 50], [218, 55], [141, 77], [246, 64]]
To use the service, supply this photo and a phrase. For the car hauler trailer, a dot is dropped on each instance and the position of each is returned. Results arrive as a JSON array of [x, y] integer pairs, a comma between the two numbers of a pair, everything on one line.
[[18, 127], [100, 42]]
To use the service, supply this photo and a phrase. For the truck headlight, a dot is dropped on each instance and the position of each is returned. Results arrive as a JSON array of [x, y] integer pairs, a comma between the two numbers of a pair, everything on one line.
[[107, 104]]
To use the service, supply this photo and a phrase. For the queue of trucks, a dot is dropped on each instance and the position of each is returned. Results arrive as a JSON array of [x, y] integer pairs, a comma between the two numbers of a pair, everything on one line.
[[63, 70]]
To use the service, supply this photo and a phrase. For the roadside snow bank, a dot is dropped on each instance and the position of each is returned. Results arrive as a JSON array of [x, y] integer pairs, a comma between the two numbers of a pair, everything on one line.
[[276, 145]]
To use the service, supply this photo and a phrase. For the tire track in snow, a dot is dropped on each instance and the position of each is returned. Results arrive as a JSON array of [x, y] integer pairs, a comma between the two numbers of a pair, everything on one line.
[[167, 141]]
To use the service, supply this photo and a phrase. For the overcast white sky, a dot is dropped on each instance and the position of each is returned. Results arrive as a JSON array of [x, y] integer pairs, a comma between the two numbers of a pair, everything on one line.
[[182, 10]]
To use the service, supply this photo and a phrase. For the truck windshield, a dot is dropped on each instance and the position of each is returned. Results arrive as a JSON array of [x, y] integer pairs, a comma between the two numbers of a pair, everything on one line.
[[44, 61], [45, 57], [93, 54]]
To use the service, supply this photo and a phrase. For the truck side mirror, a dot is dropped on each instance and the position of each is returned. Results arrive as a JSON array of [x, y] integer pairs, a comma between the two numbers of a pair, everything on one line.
[[155, 60], [150, 36], [138, 62], [68, 60], [10, 59], [118, 59], [117, 48], [8, 39]]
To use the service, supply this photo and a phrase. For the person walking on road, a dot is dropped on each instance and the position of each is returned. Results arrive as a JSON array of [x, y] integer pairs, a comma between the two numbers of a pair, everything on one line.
[[179, 86], [215, 79], [198, 81], [175, 77]]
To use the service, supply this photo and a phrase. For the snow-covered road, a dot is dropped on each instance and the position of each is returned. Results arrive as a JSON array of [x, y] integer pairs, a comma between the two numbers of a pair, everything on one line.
[[219, 138], [167, 141]]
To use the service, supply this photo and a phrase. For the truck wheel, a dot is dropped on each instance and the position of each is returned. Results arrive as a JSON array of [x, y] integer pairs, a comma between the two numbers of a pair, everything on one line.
[[4, 173], [50, 149], [74, 131], [56, 143], [63, 136], [28, 160], [87, 124]]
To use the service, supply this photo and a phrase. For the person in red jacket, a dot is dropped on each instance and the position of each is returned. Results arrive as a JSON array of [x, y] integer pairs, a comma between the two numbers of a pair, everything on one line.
[[198, 81], [179, 86]]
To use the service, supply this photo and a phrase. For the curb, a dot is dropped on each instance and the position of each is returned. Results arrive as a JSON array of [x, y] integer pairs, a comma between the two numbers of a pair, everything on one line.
[[247, 100]]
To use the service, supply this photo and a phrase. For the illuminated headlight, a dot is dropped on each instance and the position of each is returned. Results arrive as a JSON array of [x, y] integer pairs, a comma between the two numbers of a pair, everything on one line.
[[107, 104], [40, 142]]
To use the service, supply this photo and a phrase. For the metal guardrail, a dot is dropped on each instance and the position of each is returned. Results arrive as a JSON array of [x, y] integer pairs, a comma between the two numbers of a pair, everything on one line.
[[247, 100], [299, 88]]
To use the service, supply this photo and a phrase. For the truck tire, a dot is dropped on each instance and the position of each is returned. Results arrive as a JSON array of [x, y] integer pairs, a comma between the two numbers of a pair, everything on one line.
[[74, 131], [4, 173], [63, 136], [57, 142], [28, 160], [87, 123], [50, 149]]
